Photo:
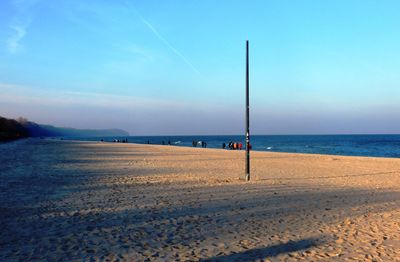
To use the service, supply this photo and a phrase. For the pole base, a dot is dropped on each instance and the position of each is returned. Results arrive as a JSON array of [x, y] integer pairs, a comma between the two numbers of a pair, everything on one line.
[[247, 177]]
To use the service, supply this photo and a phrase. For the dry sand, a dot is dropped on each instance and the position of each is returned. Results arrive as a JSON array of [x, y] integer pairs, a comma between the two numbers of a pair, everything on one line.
[[91, 201]]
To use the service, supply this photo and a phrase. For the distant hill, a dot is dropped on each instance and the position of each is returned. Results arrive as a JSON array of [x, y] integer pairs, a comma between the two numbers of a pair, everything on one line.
[[37, 130], [14, 129], [11, 129]]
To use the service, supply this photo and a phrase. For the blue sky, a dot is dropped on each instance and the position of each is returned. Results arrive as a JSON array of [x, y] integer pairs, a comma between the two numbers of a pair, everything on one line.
[[177, 67]]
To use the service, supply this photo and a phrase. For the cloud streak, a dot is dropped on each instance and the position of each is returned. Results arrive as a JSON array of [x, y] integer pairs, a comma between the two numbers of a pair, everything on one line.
[[19, 24], [30, 95], [157, 34], [164, 40], [13, 42], [138, 115]]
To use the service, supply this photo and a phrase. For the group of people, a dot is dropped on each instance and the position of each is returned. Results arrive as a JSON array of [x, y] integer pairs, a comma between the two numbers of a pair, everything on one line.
[[199, 143], [162, 142], [124, 140], [233, 145]]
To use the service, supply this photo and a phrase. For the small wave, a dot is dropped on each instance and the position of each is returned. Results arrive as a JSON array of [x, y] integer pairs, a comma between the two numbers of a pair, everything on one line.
[[269, 148], [177, 142]]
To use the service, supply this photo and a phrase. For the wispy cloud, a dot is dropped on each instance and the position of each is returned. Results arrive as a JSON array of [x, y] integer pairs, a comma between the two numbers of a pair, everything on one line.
[[136, 50], [163, 39], [19, 24], [13, 42], [139, 115], [31, 96]]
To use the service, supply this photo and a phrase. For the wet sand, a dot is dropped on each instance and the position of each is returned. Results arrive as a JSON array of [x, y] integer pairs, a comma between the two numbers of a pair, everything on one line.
[[74, 201]]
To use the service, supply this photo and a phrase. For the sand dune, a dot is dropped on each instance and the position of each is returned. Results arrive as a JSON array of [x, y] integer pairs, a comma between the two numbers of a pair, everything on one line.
[[77, 201]]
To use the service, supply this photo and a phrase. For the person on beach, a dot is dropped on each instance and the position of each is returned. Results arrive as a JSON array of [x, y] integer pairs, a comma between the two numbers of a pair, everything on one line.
[[240, 146], [169, 142], [223, 145]]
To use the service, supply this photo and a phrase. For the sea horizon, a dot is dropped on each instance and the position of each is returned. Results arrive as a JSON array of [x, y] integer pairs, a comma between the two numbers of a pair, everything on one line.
[[339, 134]]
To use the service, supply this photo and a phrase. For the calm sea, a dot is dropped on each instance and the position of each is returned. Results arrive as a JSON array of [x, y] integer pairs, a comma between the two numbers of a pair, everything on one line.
[[347, 145]]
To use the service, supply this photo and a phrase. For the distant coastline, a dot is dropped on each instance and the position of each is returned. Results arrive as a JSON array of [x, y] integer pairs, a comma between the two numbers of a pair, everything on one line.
[[11, 129]]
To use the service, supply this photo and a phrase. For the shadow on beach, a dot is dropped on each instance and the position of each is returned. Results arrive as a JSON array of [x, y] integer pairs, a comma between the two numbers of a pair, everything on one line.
[[270, 251], [73, 211]]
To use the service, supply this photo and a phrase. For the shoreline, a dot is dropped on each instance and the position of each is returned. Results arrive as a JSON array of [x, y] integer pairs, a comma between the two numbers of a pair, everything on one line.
[[221, 149]]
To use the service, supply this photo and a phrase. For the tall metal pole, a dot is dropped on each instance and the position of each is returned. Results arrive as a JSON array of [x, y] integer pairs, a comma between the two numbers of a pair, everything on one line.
[[247, 115]]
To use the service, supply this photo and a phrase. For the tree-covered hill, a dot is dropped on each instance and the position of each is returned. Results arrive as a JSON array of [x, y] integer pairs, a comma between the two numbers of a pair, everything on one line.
[[13, 129]]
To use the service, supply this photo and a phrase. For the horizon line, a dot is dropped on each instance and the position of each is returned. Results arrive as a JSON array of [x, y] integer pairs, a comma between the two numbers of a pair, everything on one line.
[[339, 134]]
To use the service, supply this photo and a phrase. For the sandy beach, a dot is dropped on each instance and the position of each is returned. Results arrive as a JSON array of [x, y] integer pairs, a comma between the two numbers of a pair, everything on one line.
[[92, 201]]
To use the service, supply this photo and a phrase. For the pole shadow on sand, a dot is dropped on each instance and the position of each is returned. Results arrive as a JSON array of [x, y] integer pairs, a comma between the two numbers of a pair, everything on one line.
[[270, 251]]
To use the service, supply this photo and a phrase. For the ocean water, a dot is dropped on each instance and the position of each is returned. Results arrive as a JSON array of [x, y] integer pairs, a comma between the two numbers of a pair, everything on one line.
[[346, 145]]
